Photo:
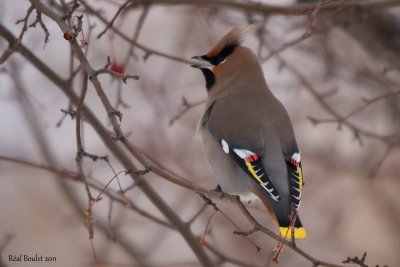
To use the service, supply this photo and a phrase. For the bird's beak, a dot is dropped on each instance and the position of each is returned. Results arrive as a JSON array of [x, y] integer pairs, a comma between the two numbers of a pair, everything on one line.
[[203, 65]]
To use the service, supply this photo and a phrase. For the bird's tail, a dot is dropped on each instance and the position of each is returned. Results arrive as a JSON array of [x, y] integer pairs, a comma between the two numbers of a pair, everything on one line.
[[286, 230], [284, 221]]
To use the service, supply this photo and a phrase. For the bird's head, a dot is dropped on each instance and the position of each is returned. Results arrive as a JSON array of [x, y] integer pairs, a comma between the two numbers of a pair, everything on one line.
[[218, 57]]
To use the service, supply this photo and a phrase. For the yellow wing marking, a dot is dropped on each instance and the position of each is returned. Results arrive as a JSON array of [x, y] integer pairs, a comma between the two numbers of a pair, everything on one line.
[[300, 174], [253, 172]]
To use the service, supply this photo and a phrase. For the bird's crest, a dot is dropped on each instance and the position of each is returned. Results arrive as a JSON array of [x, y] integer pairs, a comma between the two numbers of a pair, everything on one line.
[[232, 39]]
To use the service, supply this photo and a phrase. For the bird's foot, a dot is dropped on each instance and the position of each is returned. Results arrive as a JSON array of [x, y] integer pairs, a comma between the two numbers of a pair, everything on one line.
[[292, 242]]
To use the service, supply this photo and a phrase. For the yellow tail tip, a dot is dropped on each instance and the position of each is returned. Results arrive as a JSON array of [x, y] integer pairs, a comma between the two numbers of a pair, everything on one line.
[[298, 232]]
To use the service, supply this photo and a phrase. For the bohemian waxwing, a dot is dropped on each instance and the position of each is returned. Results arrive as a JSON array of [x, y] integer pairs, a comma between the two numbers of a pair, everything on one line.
[[247, 134]]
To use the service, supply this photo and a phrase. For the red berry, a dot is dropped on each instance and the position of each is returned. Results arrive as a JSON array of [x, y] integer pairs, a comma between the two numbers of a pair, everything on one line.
[[68, 36], [118, 68]]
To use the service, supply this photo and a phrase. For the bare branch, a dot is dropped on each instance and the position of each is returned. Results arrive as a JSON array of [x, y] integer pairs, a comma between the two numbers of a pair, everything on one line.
[[145, 49], [42, 25], [123, 77], [111, 23], [125, 160], [138, 29], [337, 118], [73, 176], [293, 9], [9, 51], [71, 10], [359, 262], [25, 21]]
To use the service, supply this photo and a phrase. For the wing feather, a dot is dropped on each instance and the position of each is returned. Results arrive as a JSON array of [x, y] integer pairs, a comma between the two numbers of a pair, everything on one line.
[[295, 178], [252, 165]]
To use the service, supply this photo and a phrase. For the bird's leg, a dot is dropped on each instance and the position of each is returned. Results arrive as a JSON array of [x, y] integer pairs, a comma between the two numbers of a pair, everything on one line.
[[293, 218], [292, 243], [277, 250]]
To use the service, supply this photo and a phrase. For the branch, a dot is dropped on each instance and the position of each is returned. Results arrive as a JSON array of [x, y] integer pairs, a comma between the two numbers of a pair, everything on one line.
[[79, 141], [125, 160], [369, 102], [267, 9], [111, 23], [392, 139], [42, 25], [259, 227], [123, 77], [73, 176], [146, 50], [25, 21], [359, 262]]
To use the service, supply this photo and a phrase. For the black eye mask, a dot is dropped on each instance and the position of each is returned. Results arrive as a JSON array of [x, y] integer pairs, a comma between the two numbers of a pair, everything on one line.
[[225, 52]]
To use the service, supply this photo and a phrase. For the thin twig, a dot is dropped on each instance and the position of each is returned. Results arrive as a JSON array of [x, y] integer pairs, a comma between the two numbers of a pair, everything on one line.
[[268, 9], [25, 21], [358, 132], [103, 133], [73, 176], [138, 29], [368, 102], [111, 23], [42, 25], [79, 140], [123, 77]]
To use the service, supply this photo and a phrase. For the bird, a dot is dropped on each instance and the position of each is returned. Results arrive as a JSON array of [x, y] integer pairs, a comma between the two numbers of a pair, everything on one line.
[[247, 135]]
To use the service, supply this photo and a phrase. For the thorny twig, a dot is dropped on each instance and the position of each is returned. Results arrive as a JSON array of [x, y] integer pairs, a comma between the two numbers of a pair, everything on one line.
[[209, 202], [148, 51], [25, 21], [359, 262], [33, 24], [145, 171], [80, 153], [123, 77], [69, 112], [111, 23], [42, 25], [121, 155], [71, 10], [313, 15]]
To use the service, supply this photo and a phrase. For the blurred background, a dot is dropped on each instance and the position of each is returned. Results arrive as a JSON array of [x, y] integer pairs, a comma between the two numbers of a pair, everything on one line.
[[335, 69]]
